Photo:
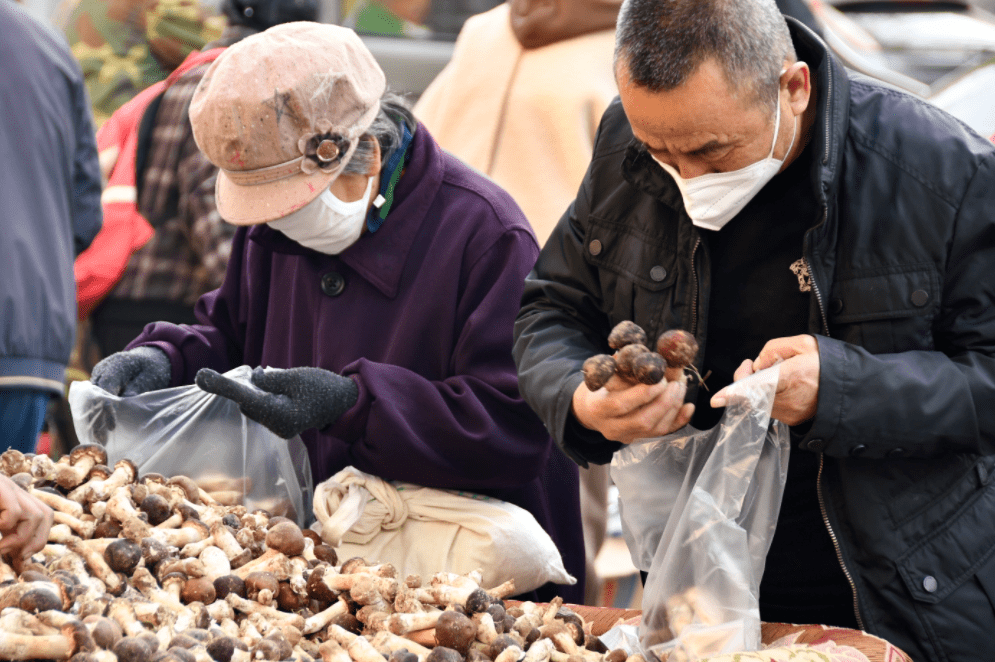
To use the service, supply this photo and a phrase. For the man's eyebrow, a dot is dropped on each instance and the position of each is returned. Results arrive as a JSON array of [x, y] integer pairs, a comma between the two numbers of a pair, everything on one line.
[[710, 145]]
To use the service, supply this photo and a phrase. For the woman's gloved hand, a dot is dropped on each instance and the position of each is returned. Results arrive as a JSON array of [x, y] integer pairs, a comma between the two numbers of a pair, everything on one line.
[[133, 372], [293, 400]]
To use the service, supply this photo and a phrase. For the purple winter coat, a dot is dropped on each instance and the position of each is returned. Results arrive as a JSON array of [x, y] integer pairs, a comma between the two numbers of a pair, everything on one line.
[[420, 315]]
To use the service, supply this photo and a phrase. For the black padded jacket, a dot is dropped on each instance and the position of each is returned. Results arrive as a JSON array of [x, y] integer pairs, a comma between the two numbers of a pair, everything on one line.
[[902, 259]]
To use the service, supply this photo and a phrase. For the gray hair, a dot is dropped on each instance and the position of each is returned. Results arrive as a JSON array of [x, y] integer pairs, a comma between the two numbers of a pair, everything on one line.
[[387, 130], [662, 43]]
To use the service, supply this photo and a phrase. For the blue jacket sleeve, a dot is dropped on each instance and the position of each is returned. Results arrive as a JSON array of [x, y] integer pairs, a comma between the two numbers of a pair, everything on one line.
[[86, 213]]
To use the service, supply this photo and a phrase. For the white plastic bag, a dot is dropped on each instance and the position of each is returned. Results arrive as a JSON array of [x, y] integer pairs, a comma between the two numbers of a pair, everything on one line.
[[699, 510], [187, 431], [423, 531]]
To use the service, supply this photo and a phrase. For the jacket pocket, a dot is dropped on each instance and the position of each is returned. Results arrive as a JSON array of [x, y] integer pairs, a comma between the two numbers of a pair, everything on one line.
[[886, 310], [950, 576], [646, 259]]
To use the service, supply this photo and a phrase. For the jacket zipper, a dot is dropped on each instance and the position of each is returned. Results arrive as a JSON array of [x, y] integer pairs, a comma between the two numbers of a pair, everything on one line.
[[836, 543]]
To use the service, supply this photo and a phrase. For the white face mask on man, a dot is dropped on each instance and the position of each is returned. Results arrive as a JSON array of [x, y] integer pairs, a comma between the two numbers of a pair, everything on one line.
[[714, 199], [327, 224]]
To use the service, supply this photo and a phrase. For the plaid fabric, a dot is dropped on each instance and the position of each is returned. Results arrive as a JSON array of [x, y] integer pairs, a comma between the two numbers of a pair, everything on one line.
[[189, 252]]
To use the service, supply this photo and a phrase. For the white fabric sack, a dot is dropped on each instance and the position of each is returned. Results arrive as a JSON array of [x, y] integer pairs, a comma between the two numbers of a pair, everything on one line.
[[421, 530]]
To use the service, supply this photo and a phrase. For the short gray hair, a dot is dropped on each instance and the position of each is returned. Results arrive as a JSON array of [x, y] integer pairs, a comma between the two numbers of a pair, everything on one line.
[[662, 42], [387, 130]]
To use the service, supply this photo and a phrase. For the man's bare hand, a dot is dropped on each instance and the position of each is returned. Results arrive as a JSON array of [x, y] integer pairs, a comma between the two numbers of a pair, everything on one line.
[[625, 412], [24, 522], [798, 382]]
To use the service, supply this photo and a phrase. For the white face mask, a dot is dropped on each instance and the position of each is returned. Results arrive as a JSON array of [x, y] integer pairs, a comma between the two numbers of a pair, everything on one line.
[[327, 224], [714, 199]]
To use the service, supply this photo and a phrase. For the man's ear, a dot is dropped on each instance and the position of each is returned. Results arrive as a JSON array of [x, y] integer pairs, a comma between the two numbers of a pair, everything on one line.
[[797, 79]]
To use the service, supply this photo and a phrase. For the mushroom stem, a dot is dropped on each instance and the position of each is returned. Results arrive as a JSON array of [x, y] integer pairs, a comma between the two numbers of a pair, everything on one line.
[[83, 529], [318, 621], [250, 607], [98, 566], [271, 561], [58, 503], [388, 642], [404, 623], [31, 647]]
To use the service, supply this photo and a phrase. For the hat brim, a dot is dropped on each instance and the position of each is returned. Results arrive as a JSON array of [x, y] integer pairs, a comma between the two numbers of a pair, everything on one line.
[[239, 204]]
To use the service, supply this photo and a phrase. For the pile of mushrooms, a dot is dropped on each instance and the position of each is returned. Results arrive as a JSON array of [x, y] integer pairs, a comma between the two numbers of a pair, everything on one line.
[[154, 569]]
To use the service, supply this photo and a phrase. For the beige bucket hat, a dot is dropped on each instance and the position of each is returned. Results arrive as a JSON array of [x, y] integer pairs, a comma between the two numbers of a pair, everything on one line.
[[280, 113]]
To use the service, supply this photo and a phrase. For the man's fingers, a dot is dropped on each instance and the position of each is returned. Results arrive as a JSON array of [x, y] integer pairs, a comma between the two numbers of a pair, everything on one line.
[[745, 369]]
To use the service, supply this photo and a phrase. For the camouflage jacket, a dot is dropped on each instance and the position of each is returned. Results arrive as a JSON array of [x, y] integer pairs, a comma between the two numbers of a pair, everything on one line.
[[123, 46]]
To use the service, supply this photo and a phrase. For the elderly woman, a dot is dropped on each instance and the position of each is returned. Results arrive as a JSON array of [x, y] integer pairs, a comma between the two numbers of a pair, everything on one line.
[[379, 274]]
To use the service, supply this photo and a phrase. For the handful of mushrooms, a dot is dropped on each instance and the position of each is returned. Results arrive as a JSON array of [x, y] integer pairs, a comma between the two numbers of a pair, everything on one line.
[[154, 569]]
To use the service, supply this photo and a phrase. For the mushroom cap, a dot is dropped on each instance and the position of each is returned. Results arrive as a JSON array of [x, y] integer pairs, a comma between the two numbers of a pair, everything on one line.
[[573, 623], [231, 521], [260, 581], [285, 537], [106, 632], [40, 599], [173, 579], [133, 649], [188, 486], [188, 512], [478, 600], [123, 556], [182, 640], [156, 507], [99, 472], [198, 589], [456, 631], [317, 589], [593, 643], [497, 613], [229, 584], [23, 479], [616, 655], [500, 643], [274, 647], [177, 654], [313, 535], [326, 553], [153, 477], [350, 566], [477, 655], [221, 648], [95, 451], [201, 635], [443, 654], [402, 655], [108, 528], [288, 600], [128, 466], [349, 623]]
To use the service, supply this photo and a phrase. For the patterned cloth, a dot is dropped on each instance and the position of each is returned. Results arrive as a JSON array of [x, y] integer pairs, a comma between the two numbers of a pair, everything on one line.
[[124, 46], [188, 254]]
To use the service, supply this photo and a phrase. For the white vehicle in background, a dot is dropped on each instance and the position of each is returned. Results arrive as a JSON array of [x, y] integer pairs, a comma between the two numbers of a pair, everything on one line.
[[942, 51]]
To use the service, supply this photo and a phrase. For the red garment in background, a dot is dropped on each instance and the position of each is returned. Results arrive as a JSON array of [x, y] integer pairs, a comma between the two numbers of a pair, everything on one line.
[[99, 267]]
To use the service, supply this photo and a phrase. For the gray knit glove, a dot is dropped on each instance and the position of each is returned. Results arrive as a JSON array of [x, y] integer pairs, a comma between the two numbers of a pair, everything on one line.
[[293, 400], [133, 372]]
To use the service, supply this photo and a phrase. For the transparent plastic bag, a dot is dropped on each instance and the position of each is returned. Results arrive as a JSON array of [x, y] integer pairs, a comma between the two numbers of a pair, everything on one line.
[[187, 431], [699, 510]]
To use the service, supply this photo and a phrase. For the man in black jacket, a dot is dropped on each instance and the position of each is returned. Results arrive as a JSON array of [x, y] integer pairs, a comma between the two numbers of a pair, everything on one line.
[[747, 189]]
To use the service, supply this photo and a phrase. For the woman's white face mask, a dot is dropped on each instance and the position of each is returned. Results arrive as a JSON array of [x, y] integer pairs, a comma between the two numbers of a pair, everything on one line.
[[714, 199], [327, 224]]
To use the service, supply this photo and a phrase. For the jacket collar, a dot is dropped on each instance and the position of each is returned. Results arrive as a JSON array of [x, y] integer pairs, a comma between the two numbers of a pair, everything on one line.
[[380, 257], [832, 117]]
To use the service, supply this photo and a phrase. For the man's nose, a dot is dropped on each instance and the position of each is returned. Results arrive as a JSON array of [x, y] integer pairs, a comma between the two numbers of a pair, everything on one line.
[[689, 168]]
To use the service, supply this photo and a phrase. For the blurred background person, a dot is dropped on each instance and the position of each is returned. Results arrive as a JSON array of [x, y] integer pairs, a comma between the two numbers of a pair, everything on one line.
[[49, 212], [123, 46], [522, 97], [188, 253]]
